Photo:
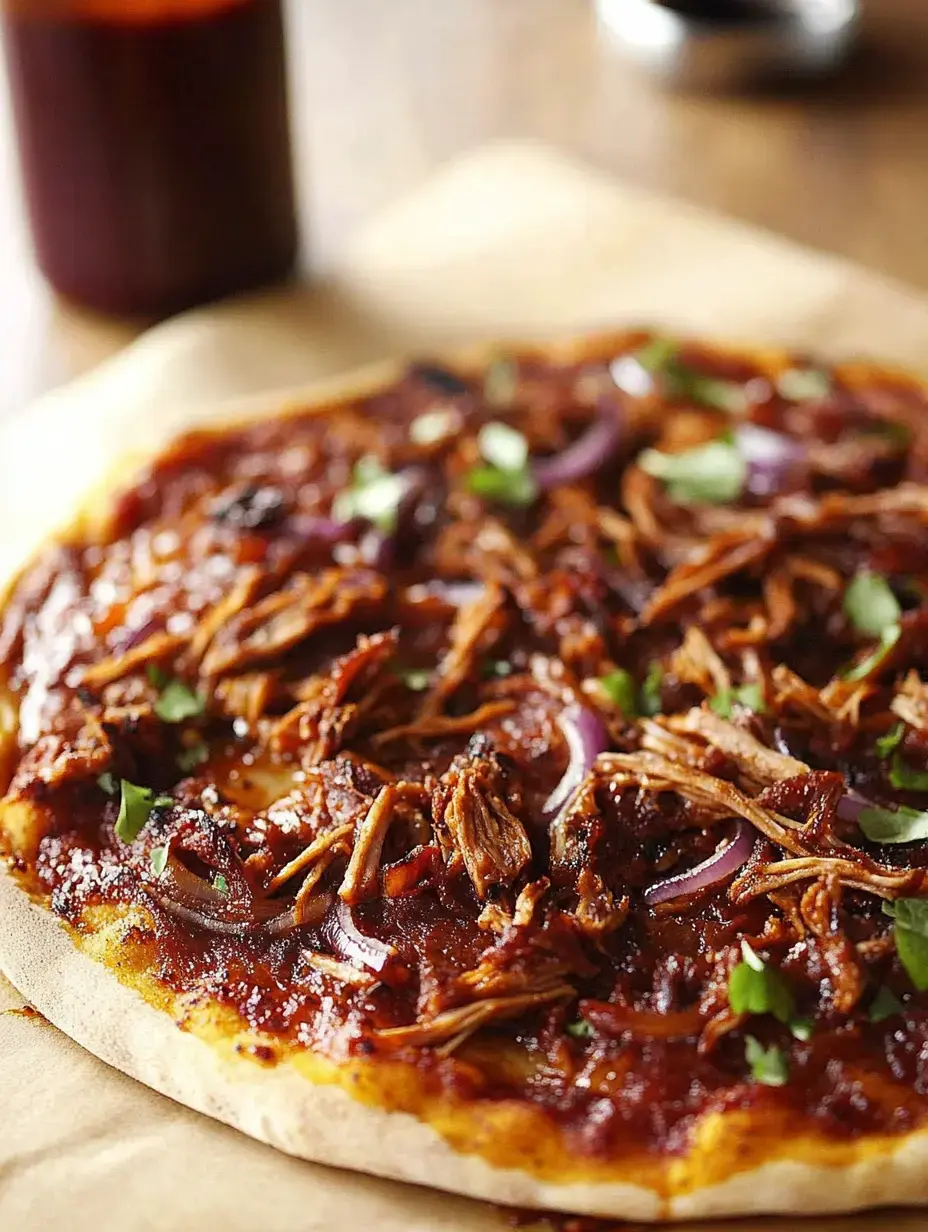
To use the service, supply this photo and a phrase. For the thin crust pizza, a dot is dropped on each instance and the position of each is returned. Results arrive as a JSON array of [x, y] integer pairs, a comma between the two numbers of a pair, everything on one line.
[[509, 775]]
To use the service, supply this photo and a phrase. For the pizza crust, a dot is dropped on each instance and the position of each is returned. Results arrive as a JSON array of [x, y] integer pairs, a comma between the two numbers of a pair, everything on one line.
[[321, 1121]]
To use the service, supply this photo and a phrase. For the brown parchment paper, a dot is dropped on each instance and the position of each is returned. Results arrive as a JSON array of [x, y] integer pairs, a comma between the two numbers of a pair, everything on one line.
[[512, 241]]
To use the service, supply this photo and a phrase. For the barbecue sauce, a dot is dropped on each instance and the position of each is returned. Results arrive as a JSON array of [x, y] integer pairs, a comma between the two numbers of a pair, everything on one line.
[[155, 147]]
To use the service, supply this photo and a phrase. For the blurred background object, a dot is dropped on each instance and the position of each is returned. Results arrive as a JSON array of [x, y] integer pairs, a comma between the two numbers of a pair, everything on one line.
[[154, 147], [730, 44], [382, 94]]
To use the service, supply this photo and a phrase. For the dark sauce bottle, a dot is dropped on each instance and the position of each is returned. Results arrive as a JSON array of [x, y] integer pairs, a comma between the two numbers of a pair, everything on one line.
[[155, 147]]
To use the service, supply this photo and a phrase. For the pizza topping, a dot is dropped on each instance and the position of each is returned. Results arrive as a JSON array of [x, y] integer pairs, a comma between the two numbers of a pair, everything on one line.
[[564, 777]]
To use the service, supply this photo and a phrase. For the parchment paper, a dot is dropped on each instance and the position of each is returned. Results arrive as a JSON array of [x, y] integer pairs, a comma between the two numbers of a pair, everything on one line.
[[512, 241]]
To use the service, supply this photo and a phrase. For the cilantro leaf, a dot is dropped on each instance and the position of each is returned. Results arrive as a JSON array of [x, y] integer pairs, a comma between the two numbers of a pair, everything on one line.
[[374, 495], [710, 474], [581, 1029], [769, 1066], [178, 702], [220, 884], [887, 745], [158, 859], [750, 696], [893, 825], [506, 475], [873, 661], [756, 988], [415, 678], [910, 916], [620, 689], [801, 1028], [651, 700], [870, 604], [135, 808], [108, 782], [188, 759], [502, 446], [884, 1005], [904, 777], [660, 357], [496, 669]]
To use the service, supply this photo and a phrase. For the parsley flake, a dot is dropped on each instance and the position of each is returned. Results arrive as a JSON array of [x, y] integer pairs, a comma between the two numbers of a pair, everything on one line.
[[769, 1066], [887, 745], [374, 495], [178, 702], [756, 988], [158, 859], [910, 919], [710, 474], [619, 687], [750, 696], [884, 1005], [870, 604], [893, 825], [875, 660], [506, 475], [220, 884], [904, 777], [496, 669], [135, 808], [660, 359], [581, 1029], [652, 684]]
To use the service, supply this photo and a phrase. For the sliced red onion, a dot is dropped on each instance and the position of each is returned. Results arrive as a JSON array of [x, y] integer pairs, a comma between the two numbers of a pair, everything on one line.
[[850, 806], [586, 738], [586, 455], [770, 457], [347, 940], [722, 864]]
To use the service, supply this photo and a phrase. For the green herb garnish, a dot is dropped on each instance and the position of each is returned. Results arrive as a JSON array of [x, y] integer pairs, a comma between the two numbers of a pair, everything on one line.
[[496, 669], [710, 474], [893, 825], [188, 759], [177, 702], [651, 690], [135, 808], [750, 696], [873, 661], [108, 782], [374, 495], [619, 687], [581, 1029], [887, 745], [415, 678], [220, 884], [769, 1066], [884, 1005], [803, 384], [910, 917], [158, 859], [433, 426], [506, 475], [756, 988], [801, 1028], [682, 383], [870, 604], [904, 777]]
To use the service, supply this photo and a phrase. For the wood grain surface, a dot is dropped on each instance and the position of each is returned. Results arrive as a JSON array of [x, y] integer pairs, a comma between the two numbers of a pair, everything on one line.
[[383, 93]]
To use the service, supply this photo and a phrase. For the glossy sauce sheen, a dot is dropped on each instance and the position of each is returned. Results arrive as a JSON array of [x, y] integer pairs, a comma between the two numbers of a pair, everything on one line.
[[155, 147], [574, 605]]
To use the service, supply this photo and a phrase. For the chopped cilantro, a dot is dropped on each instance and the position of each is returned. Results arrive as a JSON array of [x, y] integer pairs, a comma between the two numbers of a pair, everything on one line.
[[496, 668], [651, 689], [581, 1029], [135, 808], [756, 988], [156, 675], [502, 447], [158, 859], [873, 661], [620, 689], [750, 696], [506, 475], [893, 825], [177, 702], [220, 884], [769, 1066], [870, 604], [374, 495], [415, 678], [433, 426], [801, 1028], [910, 916], [904, 777], [884, 1005], [710, 474], [188, 759], [887, 745], [108, 782], [660, 357]]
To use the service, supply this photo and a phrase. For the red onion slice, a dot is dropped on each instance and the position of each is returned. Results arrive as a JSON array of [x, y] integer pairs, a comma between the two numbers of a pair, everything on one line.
[[722, 864], [347, 940], [586, 738], [850, 806], [770, 457], [586, 455]]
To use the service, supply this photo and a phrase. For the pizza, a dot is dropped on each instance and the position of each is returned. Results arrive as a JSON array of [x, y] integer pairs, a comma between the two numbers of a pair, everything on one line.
[[508, 774]]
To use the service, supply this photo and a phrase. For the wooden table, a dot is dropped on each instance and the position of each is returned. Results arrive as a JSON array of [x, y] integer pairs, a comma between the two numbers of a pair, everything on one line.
[[383, 93]]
